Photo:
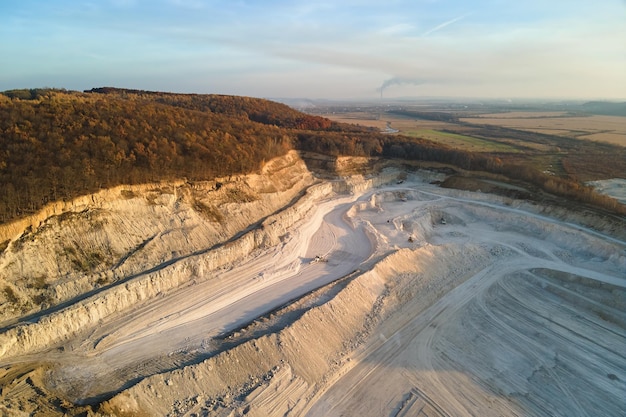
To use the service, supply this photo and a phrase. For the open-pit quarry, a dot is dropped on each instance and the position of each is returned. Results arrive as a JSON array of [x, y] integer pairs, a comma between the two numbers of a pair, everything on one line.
[[294, 292]]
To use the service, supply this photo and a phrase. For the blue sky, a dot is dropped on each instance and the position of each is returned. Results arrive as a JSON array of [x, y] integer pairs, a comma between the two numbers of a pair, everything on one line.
[[319, 49]]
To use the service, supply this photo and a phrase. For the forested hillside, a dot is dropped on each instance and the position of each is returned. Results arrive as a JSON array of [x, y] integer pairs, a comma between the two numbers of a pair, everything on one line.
[[56, 144]]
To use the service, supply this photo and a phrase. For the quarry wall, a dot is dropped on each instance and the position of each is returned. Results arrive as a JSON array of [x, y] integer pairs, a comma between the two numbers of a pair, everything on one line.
[[60, 325], [282, 371]]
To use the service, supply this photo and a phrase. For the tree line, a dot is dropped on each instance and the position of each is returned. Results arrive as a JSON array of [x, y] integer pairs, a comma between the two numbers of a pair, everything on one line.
[[402, 147], [56, 145]]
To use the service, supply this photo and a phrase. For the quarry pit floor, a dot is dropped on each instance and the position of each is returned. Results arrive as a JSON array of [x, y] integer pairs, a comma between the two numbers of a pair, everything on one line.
[[533, 323]]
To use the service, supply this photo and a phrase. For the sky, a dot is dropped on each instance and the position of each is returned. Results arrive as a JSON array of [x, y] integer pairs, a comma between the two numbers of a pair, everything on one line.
[[335, 49]]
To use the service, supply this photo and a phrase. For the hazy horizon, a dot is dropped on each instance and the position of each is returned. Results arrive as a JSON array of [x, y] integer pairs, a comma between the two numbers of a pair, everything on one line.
[[320, 50]]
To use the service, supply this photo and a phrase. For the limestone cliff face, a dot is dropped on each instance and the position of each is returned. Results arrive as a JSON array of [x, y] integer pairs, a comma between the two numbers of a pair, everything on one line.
[[70, 272], [104, 253], [279, 373], [71, 248]]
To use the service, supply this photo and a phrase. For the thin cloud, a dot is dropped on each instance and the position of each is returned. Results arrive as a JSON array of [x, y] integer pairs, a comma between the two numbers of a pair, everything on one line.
[[358, 45], [444, 24]]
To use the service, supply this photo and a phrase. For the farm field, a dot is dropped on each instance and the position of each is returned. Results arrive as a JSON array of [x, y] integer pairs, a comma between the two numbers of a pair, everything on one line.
[[437, 131], [584, 148], [464, 142], [611, 129], [380, 119]]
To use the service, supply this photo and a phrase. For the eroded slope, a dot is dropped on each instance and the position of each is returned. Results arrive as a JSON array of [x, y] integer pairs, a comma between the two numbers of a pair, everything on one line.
[[448, 302], [92, 242]]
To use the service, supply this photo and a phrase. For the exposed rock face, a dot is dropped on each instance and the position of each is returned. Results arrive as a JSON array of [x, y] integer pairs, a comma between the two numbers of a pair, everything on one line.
[[132, 300], [279, 373], [70, 249], [168, 243]]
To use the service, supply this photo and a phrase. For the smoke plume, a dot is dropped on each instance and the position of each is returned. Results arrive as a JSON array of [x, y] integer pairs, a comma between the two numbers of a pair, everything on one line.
[[398, 81]]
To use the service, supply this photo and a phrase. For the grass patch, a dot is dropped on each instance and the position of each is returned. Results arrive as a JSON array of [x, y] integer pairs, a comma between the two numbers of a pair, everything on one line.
[[84, 262], [127, 194], [41, 299], [239, 195], [102, 281], [549, 163], [27, 236], [151, 199], [208, 211], [38, 283], [10, 295]]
